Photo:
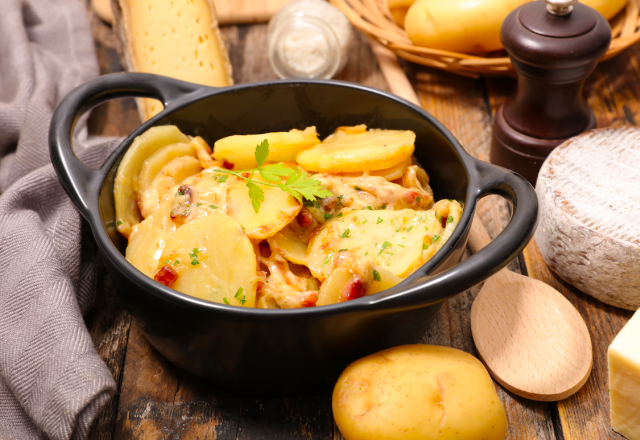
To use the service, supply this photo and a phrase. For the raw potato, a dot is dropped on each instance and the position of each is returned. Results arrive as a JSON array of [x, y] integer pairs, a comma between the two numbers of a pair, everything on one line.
[[215, 260], [466, 26], [392, 240], [418, 392], [399, 9], [127, 212], [283, 147], [276, 211], [608, 8], [365, 151]]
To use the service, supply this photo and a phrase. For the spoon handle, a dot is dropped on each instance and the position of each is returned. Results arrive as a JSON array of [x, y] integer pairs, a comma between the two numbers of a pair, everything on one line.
[[401, 86]]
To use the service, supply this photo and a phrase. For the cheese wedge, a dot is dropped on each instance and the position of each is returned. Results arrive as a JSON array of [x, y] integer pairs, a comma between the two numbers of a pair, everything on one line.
[[174, 38], [624, 380]]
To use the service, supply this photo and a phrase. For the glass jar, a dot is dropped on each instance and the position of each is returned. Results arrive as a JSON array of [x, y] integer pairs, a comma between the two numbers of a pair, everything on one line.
[[308, 39]]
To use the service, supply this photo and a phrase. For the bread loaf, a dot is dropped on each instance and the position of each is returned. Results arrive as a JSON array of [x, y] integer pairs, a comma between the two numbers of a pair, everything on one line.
[[176, 38], [589, 217]]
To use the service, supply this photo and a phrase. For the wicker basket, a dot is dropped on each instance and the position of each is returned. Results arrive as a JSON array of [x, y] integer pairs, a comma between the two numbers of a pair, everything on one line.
[[372, 17]]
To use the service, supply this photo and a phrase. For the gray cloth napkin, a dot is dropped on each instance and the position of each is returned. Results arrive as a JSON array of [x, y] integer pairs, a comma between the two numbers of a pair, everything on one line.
[[52, 380]]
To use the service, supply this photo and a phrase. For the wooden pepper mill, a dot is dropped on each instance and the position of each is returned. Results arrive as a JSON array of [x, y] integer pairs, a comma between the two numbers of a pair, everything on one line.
[[554, 46]]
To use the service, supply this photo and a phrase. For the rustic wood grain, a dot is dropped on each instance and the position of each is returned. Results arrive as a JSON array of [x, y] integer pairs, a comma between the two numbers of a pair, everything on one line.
[[613, 93]]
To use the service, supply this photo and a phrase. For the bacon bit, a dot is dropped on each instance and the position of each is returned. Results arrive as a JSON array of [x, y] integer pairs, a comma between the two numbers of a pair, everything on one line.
[[354, 288], [411, 196], [309, 299], [305, 219], [444, 221], [227, 165], [167, 275]]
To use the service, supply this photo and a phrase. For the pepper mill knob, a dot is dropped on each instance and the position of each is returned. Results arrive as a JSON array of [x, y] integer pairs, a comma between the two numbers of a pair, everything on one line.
[[554, 46], [560, 8]]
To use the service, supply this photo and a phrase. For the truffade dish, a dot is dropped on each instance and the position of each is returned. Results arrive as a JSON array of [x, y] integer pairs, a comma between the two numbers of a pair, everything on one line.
[[287, 351]]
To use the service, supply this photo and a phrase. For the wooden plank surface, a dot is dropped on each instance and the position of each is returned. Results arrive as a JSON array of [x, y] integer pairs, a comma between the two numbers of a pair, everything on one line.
[[247, 11], [155, 400]]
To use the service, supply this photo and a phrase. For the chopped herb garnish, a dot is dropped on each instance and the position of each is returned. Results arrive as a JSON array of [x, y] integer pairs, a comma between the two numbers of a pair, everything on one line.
[[175, 263], [379, 221], [213, 207], [119, 222], [198, 204], [182, 191], [343, 250], [328, 258], [327, 216], [418, 199], [167, 262], [376, 275], [426, 229], [384, 206], [298, 185], [194, 256], [409, 228], [277, 306], [364, 222], [357, 188], [339, 214], [340, 196], [398, 230], [450, 219], [240, 297], [424, 246], [345, 234], [222, 179], [311, 203], [435, 238], [385, 245], [226, 301], [369, 208], [401, 245]]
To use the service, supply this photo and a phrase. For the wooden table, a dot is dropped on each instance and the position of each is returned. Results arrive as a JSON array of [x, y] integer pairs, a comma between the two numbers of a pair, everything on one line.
[[156, 400]]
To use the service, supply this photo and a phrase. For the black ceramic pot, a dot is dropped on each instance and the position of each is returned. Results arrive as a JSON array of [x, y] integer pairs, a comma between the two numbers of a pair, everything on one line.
[[287, 351]]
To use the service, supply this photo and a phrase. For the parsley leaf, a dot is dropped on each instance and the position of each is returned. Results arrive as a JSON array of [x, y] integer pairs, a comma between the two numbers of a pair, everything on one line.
[[328, 259], [345, 234], [379, 221], [418, 199], [213, 207], [376, 275], [226, 301], [262, 152], [450, 219], [343, 250], [435, 238], [255, 194], [301, 187], [119, 222]]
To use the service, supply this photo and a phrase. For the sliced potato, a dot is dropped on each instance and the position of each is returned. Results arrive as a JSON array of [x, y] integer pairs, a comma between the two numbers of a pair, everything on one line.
[[389, 239], [163, 170], [148, 238], [389, 174], [332, 287], [349, 153], [383, 281], [127, 213], [215, 261], [283, 147], [291, 246], [451, 211], [276, 211]]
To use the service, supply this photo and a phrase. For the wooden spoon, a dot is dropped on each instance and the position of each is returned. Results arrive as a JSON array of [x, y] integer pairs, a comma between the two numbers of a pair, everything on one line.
[[530, 337]]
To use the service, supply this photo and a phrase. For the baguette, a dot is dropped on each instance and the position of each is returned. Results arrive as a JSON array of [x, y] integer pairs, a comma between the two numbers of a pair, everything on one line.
[[176, 38]]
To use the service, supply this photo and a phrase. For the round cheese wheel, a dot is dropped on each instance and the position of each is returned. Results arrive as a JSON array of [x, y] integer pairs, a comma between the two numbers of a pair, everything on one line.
[[589, 217]]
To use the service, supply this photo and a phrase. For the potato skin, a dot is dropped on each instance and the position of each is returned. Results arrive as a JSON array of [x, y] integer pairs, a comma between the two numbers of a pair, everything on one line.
[[418, 392], [465, 26]]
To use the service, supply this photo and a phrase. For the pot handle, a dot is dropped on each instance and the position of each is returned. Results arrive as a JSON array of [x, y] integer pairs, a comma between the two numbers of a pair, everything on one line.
[[77, 179], [419, 289]]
